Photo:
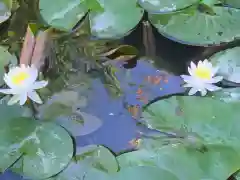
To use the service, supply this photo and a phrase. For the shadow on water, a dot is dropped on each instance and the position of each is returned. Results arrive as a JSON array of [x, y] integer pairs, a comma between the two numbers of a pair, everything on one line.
[[138, 86]]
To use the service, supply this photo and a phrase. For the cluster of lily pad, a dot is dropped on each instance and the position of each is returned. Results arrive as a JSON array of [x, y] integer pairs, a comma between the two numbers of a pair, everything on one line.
[[196, 22]]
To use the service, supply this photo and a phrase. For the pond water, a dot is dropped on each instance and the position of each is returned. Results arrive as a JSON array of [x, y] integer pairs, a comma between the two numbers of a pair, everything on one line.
[[137, 86]]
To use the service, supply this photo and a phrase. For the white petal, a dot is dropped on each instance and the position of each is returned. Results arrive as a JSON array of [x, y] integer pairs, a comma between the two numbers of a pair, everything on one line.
[[14, 99], [193, 66], [6, 91], [187, 85], [192, 91], [35, 97], [39, 84], [23, 98], [216, 79], [187, 78], [211, 87], [190, 71], [203, 92]]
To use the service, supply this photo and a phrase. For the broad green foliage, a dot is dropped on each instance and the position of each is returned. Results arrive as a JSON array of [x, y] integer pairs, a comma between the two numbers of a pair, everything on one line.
[[190, 26], [5, 10], [233, 3], [5, 59], [108, 19], [117, 19], [228, 95], [212, 120], [62, 14], [13, 133], [47, 151], [229, 64], [165, 6], [217, 163], [93, 162], [143, 173]]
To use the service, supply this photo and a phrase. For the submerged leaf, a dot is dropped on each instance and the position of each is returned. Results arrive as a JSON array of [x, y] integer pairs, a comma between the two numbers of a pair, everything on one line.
[[229, 64]]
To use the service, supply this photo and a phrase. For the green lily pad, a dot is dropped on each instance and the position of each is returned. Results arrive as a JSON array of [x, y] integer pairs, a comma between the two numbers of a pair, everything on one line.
[[214, 25], [47, 151], [13, 132], [63, 14], [117, 19], [143, 173], [218, 162], [163, 6], [5, 10], [228, 95], [5, 59], [91, 162], [210, 121], [98, 157], [229, 64], [233, 3]]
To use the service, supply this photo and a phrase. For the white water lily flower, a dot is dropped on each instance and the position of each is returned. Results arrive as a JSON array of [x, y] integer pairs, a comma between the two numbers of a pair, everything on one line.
[[22, 81], [202, 77]]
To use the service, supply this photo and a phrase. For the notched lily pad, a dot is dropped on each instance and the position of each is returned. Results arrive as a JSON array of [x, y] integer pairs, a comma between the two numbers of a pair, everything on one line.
[[117, 19], [13, 134], [214, 25], [164, 6], [63, 14], [229, 64], [47, 151]]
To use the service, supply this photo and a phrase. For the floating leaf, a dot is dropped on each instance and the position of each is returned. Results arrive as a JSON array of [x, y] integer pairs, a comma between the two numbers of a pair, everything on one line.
[[221, 24], [163, 6], [117, 19], [218, 162], [6, 59], [5, 10], [91, 162], [213, 121], [143, 173], [47, 151], [98, 157], [229, 64], [228, 95], [233, 3], [63, 14], [13, 133]]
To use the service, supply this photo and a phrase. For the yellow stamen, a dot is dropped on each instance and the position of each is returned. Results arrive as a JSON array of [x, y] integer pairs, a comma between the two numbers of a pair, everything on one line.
[[203, 73], [19, 78]]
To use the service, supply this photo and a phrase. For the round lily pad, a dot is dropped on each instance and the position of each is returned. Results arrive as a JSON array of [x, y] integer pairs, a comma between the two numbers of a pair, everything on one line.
[[47, 151], [91, 162], [204, 120], [233, 3], [13, 133], [218, 162], [116, 19], [164, 6], [229, 64], [5, 10], [199, 25], [228, 95], [63, 14]]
